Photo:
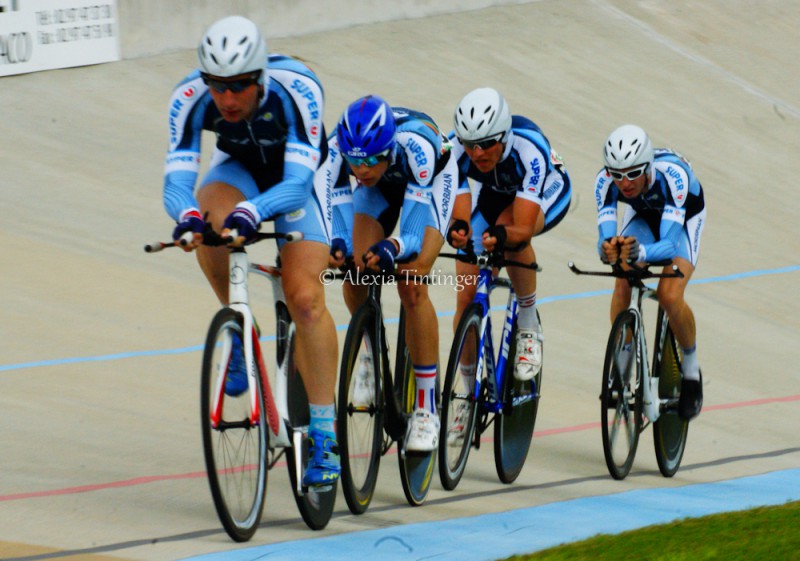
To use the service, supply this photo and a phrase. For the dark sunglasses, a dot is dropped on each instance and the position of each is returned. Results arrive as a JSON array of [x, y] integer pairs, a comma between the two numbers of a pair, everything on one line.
[[631, 174], [369, 161], [236, 86], [483, 144]]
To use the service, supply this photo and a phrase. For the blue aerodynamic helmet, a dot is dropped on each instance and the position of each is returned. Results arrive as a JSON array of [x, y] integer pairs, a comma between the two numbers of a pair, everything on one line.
[[366, 131]]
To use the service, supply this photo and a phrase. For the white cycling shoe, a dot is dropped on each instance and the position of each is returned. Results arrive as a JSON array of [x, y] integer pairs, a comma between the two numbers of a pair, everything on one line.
[[458, 426], [423, 431], [529, 355], [364, 390]]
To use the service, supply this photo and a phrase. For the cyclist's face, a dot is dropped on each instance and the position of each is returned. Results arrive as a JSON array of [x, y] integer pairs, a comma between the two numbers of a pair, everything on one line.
[[631, 188], [485, 159], [369, 176], [237, 106]]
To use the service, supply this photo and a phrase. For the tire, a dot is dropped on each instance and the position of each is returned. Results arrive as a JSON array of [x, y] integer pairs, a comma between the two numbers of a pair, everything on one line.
[[416, 469], [235, 446], [621, 400], [670, 430], [315, 506], [459, 400], [513, 426], [360, 427]]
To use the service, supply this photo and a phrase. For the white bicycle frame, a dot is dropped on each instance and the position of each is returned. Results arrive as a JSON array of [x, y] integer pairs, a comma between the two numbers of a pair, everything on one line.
[[652, 403], [277, 409]]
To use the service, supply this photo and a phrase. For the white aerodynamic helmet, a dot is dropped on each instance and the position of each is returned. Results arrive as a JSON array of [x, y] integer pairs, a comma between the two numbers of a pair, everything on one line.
[[626, 147], [232, 46], [482, 113]]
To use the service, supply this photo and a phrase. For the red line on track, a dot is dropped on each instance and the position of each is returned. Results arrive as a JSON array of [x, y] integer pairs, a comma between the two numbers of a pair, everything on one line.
[[158, 478]]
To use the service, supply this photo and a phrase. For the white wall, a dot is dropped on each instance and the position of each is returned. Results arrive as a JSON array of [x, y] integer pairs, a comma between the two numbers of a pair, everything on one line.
[[150, 27]]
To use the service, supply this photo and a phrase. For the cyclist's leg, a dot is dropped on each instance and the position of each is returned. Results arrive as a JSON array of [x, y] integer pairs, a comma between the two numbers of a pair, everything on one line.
[[422, 338], [366, 232], [226, 184], [316, 347], [671, 297]]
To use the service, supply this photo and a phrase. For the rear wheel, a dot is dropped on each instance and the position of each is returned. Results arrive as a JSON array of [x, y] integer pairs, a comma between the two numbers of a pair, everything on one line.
[[360, 411], [315, 506], [669, 430], [621, 395], [459, 402], [513, 427], [416, 469], [234, 438]]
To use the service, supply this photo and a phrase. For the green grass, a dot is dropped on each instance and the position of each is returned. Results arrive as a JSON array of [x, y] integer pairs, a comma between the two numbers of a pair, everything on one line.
[[762, 534]]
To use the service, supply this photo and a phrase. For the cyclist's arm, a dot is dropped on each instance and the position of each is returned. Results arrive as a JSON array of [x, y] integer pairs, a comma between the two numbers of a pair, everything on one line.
[[606, 197], [182, 162], [670, 232], [525, 213], [342, 210], [415, 215]]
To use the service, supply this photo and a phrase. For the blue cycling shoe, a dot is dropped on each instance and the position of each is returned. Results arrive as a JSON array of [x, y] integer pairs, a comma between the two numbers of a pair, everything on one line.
[[323, 467], [236, 381]]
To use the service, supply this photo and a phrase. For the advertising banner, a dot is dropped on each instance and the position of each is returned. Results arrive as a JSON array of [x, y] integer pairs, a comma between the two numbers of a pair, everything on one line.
[[45, 34]]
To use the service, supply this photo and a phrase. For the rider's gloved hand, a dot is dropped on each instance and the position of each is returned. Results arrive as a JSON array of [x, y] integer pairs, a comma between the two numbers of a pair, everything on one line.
[[386, 252], [634, 251], [338, 248], [458, 226], [245, 219], [190, 221], [498, 232]]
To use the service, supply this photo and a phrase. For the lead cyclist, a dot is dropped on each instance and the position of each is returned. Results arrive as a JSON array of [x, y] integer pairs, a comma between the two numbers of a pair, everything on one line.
[[266, 111]]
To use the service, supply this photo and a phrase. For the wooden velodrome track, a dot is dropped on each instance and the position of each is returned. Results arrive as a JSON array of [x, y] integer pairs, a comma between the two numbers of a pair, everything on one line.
[[99, 343]]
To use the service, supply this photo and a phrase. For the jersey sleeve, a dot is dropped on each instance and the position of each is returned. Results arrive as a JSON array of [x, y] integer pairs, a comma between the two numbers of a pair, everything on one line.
[[302, 97], [606, 199], [673, 217], [187, 107]]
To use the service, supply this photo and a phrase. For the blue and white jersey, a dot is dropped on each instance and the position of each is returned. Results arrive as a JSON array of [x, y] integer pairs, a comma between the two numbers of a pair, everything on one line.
[[673, 198], [529, 169], [526, 163], [281, 147], [420, 181]]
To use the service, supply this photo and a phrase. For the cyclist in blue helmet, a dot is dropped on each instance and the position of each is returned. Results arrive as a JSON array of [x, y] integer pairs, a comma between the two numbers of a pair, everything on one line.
[[403, 174]]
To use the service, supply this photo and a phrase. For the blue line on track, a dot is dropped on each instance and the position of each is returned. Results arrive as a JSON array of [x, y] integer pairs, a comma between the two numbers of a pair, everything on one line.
[[489, 537], [195, 348]]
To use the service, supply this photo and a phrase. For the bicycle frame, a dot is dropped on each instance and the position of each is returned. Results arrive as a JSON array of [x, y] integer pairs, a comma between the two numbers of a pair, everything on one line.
[[651, 402], [496, 367]]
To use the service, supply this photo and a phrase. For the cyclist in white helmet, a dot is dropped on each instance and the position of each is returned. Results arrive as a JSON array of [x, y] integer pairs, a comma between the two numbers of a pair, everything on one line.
[[663, 220], [267, 114], [520, 189]]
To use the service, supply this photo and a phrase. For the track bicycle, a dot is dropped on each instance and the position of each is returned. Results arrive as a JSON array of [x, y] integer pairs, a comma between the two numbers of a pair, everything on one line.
[[479, 386], [245, 435], [633, 396], [369, 422]]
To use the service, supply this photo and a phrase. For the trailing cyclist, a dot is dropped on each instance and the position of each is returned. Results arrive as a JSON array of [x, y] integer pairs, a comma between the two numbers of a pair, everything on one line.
[[403, 172], [663, 220], [266, 111], [520, 190]]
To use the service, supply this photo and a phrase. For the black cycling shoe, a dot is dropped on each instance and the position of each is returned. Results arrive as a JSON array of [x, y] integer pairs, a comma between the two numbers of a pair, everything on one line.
[[691, 399]]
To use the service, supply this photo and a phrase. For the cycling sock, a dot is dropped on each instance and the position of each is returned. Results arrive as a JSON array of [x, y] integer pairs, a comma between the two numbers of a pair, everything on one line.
[[426, 386], [691, 368], [322, 418], [527, 319], [468, 372]]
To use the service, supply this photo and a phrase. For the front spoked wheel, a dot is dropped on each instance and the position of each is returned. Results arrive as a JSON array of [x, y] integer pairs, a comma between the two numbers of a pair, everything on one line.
[[360, 411], [315, 506], [235, 436], [621, 399], [416, 469], [670, 430], [459, 402], [513, 428]]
